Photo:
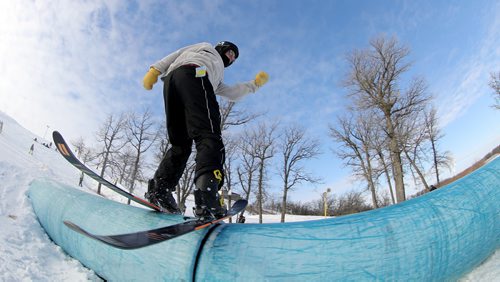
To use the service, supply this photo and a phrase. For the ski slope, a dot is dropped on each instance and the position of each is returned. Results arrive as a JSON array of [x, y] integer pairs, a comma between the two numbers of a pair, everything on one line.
[[27, 253]]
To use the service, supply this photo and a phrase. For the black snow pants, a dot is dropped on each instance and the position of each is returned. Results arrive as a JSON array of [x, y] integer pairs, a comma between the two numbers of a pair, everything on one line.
[[192, 114]]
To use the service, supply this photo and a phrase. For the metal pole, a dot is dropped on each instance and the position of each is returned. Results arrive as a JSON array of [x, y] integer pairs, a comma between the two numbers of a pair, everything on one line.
[[325, 197], [324, 203]]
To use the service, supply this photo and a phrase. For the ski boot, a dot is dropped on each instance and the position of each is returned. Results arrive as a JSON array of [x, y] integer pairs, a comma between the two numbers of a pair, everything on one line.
[[165, 200], [206, 196]]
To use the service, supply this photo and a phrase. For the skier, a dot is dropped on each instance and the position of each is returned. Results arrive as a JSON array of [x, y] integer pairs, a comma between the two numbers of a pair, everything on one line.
[[241, 219], [32, 148], [192, 76], [80, 182]]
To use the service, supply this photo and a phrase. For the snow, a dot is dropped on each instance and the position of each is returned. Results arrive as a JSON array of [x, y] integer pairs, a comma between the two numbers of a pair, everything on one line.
[[28, 254]]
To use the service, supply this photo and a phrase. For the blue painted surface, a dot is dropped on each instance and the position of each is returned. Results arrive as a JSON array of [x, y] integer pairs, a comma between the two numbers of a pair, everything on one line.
[[439, 236], [54, 202]]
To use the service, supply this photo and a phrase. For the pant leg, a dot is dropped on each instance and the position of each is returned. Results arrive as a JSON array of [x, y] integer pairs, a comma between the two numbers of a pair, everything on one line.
[[202, 118], [172, 167], [174, 161]]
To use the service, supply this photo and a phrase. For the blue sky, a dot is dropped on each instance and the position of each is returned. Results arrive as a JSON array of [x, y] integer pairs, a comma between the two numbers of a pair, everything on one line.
[[67, 64]]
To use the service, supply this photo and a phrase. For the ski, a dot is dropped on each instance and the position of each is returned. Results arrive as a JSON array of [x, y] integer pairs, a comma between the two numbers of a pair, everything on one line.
[[65, 151], [146, 238]]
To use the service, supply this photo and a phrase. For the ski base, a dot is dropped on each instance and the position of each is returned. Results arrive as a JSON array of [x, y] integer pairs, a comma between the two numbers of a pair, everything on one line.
[[146, 238]]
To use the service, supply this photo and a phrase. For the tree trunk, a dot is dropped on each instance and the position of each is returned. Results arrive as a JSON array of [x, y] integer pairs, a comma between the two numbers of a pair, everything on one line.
[[134, 175], [436, 164], [283, 203], [103, 169], [261, 182], [419, 172], [388, 177], [369, 176], [397, 165]]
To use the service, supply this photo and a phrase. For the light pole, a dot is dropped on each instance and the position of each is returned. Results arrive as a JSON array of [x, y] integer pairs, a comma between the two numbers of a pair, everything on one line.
[[325, 197]]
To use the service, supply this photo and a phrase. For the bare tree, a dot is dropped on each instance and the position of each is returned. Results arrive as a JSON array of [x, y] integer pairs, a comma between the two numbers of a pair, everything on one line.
[[379, 143], [495, 84], [351, 202], [84, 153], [161, 147], [295, 148], [260, 145], [434, 135], [420, 135], [123, 164], [413, 139], [248, 167], [264, 150], [355, 138], [79, 145], [230, 116], [111, 136], [374, 82], [231, 159], [141, 135]]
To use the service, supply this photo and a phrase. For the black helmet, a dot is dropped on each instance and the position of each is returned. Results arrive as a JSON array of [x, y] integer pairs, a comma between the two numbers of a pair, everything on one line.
[[222, 47]]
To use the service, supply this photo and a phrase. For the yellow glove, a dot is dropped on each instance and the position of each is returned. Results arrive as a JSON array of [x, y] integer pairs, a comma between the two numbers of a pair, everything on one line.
[[261, 78], [150, 78]]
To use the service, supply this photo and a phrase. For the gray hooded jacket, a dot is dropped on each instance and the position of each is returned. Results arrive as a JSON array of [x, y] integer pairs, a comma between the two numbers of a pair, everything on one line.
[[204, 54]]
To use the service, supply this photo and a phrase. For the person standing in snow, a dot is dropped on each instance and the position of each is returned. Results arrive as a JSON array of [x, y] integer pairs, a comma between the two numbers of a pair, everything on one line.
[[31, 149], [192, 76], [80, 182]]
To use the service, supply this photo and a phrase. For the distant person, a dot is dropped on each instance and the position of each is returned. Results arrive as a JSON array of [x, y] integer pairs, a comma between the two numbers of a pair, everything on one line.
[[241, 219], [80, 183], [1, 126], [192, 76], [32, 148]]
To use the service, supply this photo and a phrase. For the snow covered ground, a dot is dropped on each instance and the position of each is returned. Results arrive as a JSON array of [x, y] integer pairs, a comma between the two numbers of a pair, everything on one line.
[[27, 253]]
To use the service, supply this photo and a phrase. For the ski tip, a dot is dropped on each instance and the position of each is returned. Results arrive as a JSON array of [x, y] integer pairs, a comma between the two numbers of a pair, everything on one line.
[[57, 137], [241, 203], [70, 224], [56, 134], [74, 227]]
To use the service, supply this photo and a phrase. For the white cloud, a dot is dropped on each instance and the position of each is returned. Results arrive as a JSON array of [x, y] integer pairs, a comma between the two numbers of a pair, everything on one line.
[[68, 64], [469, 80], [61, 60]]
